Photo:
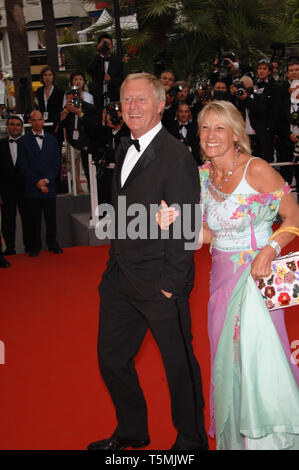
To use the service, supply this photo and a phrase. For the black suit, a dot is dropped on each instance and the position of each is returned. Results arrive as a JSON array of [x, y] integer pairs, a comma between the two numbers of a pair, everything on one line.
[[191, 139], [263, 109], [12, 191], [54, 105], [35, 164], [132, 301], [96, 69], [285, 146]]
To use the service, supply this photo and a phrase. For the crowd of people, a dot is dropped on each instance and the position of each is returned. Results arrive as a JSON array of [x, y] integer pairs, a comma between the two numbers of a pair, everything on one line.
[[89, 120]]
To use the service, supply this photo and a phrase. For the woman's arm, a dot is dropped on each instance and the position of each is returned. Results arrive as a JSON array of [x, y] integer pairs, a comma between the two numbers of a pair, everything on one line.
[[262, 177]]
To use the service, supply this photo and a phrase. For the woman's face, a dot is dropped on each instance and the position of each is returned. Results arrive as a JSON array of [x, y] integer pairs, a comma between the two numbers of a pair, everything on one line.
[[48, 77], [78, 81], [217, 139]]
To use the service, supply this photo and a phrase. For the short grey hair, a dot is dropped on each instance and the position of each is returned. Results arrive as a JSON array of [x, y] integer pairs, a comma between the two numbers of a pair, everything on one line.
[[158, 87]]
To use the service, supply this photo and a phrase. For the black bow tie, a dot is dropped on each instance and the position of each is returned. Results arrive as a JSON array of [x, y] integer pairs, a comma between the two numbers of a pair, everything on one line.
[[126, 142], [261, 84], [39, 136], [13, 141], [182, 126]]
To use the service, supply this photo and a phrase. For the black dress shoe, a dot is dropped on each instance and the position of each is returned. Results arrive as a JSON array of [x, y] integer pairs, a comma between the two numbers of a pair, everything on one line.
[[4, 263], [118, 443], [55, 249]]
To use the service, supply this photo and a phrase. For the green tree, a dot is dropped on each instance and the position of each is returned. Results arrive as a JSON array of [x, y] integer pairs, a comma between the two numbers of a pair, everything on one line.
[[16, 28]]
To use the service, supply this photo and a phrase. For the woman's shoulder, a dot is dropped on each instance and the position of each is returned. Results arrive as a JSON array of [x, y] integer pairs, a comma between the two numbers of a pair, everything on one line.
[[263, 177]]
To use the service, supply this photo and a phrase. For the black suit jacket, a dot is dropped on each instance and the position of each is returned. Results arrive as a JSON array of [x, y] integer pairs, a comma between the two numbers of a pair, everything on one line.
[[54, 105], [11, 180], [191, 139], [166, 170], [35, 163], [96, 70]]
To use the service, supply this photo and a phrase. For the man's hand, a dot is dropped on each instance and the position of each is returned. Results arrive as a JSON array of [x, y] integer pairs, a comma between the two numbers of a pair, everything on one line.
[[293, 138], [41, 183], [73, 109], [107, 77]]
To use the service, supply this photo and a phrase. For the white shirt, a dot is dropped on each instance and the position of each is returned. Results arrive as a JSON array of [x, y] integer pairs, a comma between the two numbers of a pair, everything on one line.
[[39, 141], [132, 155]]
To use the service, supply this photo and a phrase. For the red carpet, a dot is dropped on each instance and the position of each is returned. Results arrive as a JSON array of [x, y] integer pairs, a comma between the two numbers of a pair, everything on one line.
[[52, 395]]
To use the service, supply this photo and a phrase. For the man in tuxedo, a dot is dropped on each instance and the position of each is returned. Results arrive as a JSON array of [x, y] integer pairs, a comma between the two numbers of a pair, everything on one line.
[[106, 71], [149, 278], [266, 119], [288, 126], [185, 129], [39, 164], [12, 187]]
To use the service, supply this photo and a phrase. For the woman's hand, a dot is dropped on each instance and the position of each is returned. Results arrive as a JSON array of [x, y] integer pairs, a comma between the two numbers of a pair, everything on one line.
[[166, 216], [261, 265]]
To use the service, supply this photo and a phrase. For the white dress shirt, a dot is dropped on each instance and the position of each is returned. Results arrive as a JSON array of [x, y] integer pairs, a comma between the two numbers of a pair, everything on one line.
[[13, 150], [132, 155], [39, 141]]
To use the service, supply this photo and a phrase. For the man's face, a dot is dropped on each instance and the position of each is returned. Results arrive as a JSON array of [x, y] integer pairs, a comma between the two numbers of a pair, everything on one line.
[[167, 79], [140, 107], [14, 128], [293, 72], [263, 72], [37, 121], [183, 113]]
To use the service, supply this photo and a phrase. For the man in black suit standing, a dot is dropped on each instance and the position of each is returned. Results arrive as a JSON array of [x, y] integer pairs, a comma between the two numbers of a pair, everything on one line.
[[106, 71], [12, 187], [185, 129], [149, 278], [39, 164]]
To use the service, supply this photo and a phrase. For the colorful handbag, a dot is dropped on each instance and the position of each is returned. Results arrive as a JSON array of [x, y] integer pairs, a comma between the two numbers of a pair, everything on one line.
[[281, 288]]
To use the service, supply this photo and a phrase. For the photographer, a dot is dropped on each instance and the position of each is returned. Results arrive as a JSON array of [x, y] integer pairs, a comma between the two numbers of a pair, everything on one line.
[[226, 68], [106, 71], [113, 129], [80, 119]]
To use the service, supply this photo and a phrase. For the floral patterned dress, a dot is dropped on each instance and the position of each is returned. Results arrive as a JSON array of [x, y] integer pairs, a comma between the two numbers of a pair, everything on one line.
[[242, 224]]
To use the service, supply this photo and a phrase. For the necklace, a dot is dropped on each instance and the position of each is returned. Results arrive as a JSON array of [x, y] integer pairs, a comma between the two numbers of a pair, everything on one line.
[[226, 175]]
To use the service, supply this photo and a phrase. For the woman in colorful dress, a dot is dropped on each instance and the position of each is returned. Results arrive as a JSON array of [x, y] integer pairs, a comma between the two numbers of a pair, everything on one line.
[[254, 394]]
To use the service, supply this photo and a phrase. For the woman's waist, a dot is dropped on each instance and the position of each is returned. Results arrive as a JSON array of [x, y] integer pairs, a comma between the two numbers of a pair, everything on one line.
[[238, 241]]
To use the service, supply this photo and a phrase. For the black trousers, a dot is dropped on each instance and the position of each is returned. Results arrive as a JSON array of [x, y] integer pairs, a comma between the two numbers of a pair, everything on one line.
[[37, 207], [9, 214], [125, 318]]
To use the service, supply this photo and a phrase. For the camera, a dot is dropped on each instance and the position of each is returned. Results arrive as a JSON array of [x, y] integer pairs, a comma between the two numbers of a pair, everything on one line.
[[105, 49], [224, 63], [112, 110], [174, 90], [76, 101], [240, 87], [206, 94]]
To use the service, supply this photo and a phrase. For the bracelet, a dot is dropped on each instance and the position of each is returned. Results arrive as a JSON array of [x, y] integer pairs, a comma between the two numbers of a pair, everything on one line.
[[276, 246]]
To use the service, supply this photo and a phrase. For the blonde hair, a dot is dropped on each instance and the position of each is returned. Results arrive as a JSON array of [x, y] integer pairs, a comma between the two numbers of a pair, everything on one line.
[[158, 87], [230, 116]]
